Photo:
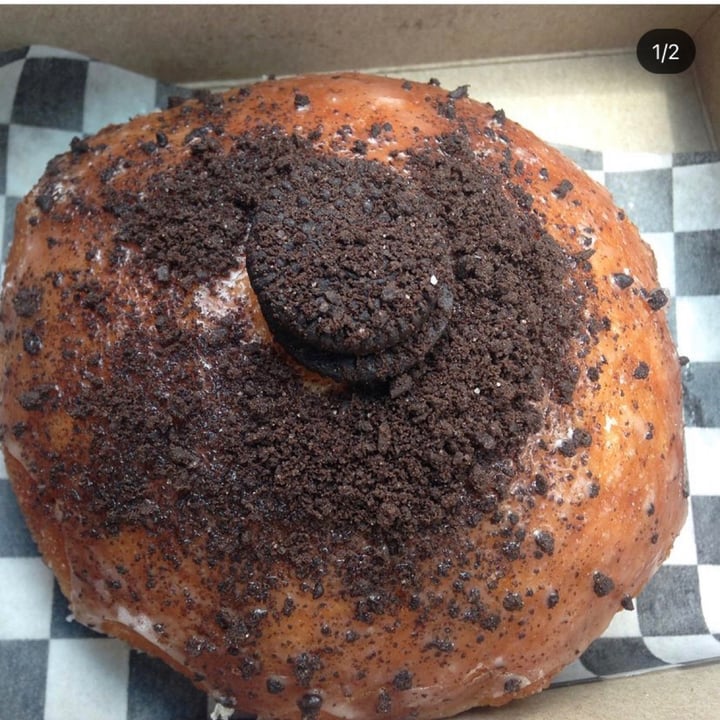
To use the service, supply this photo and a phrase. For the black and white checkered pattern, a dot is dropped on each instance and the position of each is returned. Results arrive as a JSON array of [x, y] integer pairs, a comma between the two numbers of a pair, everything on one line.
[[52, 669]]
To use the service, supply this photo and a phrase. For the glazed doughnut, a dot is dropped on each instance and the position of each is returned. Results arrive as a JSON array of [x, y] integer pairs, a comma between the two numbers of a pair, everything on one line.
[[345, 396]]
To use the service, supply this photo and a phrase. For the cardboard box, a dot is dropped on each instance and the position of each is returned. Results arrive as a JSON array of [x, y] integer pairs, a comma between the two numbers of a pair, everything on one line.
[[500, 46], [506, 53]]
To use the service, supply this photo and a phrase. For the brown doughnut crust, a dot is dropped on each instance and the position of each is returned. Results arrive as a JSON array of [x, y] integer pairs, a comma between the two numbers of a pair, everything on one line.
[[594, 504]]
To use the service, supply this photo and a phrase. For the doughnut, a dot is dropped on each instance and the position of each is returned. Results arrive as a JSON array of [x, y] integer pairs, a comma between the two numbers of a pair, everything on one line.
[[346, 396]]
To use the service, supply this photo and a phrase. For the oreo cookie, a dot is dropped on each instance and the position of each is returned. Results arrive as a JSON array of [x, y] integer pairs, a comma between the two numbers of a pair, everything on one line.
[[350, 268]]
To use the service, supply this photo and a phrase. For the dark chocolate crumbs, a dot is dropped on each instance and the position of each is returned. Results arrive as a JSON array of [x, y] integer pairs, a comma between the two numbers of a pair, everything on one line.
[[45, 202], [513, 601], [602, 584], [407, 85], [656, 299], [275, 685], [79, 146], [642, 371], [305, 666], [568, 447], [310, 704], [161, 139], [511, 550], [512, 685], [35, 399], [553, 599], [582, 438], [459, 92], [490, 622], [623, 280], [32, 343], [301, 101], [545, 541], [562, 189], [539, 485], [27, 301], [627, 603], [403, 680], [499, 118], [447, 109]]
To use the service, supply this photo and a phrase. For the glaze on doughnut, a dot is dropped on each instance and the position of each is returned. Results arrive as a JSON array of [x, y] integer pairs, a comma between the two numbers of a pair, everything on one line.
[[345, 396]]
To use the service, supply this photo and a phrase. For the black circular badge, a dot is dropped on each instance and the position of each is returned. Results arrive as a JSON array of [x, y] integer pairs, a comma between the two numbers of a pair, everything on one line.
[[666, 51]]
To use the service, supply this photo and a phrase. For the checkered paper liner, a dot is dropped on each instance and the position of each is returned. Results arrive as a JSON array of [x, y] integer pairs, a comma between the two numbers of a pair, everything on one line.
[[52, 668]]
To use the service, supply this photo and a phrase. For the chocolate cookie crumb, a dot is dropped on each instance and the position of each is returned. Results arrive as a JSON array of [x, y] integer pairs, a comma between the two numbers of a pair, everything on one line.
[[562, 190], [310, 705], [304, 667], [627, 603], [403, 680], [602, 584], [642, 371], [513, 602], [35, 399], [499, 118], [459, 92], [45, 202], [539, 485], [545, 541], [32, 343], [275, 685], [79, 146], [623, 280], [656, 299], [447, 109], [27, 301], [512, 685]]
